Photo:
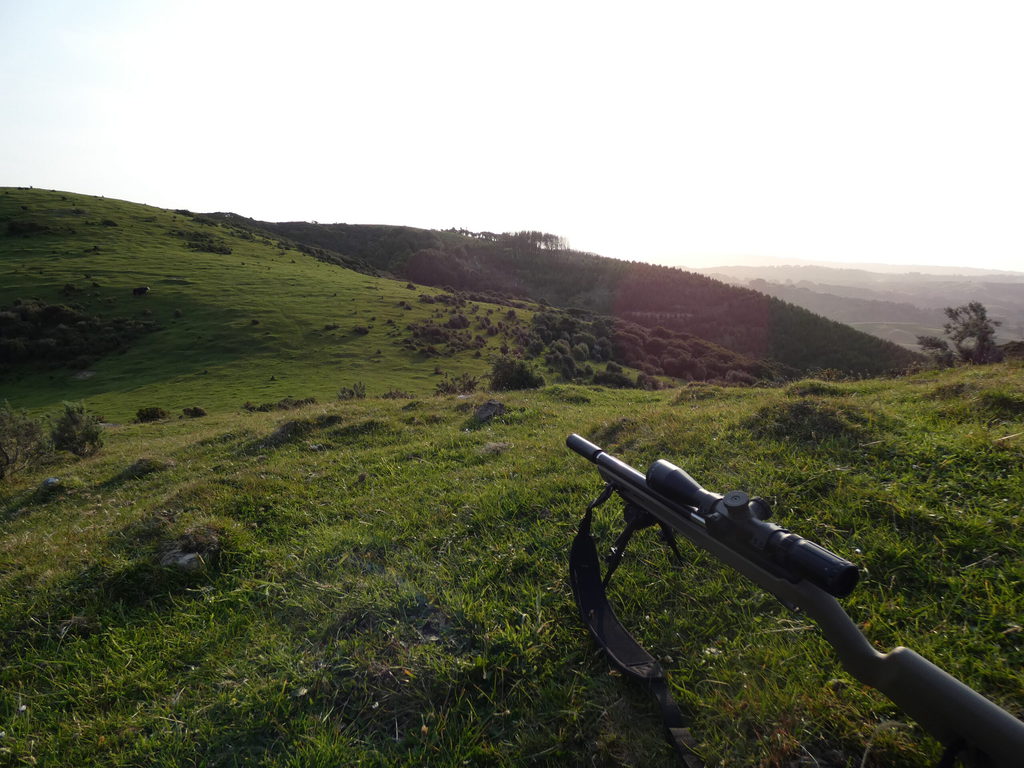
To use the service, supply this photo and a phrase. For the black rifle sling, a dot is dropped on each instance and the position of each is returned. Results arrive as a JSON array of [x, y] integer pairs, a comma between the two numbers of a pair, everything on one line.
[[623, 651]]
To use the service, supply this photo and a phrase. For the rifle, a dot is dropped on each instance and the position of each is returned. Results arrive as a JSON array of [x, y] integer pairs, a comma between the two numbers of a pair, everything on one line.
[[802, 575]]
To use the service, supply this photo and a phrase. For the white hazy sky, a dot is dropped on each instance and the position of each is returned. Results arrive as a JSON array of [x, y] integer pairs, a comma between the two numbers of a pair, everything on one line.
[[678, 132]]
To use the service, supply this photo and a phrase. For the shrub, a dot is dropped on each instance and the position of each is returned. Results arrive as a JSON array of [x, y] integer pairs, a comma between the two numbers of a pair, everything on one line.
[[611, 377], [21, 441], [742, 378], [463, 384], [77, 430], [193, 412], [356, 392], [151, 413], [512, 373], [645, 381]]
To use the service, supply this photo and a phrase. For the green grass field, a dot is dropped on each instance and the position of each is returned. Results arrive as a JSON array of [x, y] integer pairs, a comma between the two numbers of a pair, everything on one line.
[[252, 325], [383, 581]]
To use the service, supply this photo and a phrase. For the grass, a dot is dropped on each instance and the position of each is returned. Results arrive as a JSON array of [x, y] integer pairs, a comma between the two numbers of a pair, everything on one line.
[[260, 323], [383, 582]]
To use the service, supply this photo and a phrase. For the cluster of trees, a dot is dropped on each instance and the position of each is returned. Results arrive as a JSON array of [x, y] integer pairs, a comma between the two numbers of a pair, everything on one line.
[[58, 335], [573, 338]]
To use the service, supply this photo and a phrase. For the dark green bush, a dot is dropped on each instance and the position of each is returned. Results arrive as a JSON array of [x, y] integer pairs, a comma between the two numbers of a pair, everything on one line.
[[151, 413], [356, 392], [21, 441], [645, 381], [462, 384], [77, 430], [513, 373], [193, 412], [613, 378]]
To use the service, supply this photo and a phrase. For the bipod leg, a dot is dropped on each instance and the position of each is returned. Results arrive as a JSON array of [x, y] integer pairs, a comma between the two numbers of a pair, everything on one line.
[[669, 538], [636, 519]]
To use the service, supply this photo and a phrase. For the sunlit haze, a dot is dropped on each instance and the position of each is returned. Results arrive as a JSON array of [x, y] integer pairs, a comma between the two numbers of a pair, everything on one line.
[[680, 133]]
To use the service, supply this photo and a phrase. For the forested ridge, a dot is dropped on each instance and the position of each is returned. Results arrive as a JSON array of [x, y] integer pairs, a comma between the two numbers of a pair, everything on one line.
[[539, 266]]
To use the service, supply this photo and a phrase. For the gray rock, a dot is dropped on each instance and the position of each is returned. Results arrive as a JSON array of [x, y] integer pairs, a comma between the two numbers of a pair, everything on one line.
[[186, 561], [488, 411]]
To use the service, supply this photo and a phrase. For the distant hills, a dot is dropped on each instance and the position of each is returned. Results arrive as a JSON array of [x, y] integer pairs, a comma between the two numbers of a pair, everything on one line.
[[895, 306]]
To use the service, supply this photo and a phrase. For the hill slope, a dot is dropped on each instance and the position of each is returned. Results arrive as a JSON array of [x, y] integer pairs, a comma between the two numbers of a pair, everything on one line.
[[384, 583], [231, 317], [535, 265]]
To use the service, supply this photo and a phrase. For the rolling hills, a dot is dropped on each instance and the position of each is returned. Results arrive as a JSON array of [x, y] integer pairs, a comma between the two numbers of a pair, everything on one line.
[[230, 316], [894, 306], [381, 580], [538, 266]]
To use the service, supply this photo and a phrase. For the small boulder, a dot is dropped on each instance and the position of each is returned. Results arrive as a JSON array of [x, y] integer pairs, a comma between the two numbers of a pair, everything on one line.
[[488, 411], [186, 561]]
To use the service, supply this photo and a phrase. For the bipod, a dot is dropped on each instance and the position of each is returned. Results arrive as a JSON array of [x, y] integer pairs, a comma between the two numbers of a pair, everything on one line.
[[622, 649]]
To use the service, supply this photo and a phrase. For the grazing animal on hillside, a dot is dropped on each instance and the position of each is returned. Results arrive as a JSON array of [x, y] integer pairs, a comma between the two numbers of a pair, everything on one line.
[[142, 290]]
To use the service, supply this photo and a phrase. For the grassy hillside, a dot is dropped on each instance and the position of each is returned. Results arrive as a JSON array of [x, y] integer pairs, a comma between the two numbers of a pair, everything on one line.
[[383, 582], [259, 323], [232, 317], [538, 266]]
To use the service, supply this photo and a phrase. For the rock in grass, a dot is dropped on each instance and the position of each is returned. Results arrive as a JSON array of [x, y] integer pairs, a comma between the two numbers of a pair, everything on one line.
[[186, 561], [488, 411], [196, 548]]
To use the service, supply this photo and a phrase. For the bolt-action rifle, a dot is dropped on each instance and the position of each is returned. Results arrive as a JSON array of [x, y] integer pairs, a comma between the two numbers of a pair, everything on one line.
[[802, 575]]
